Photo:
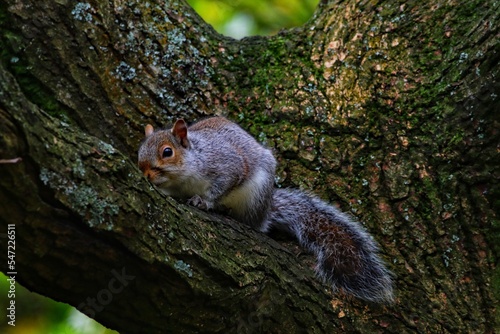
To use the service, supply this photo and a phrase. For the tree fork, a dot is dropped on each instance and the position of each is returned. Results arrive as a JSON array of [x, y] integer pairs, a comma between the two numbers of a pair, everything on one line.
[[386, 109]]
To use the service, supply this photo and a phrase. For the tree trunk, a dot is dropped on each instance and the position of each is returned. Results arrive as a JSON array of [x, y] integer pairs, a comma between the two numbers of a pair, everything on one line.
[[385, 108]]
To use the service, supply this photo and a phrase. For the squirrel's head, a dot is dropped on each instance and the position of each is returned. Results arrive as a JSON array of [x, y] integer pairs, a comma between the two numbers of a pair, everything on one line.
[[161, 153]]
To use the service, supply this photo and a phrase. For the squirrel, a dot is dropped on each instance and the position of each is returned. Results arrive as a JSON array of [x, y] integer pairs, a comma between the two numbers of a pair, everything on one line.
[[216, 165]]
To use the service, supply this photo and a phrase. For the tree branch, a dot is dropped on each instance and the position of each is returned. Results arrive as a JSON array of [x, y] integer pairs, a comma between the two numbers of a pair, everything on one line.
[[91, 232], [375, 107]]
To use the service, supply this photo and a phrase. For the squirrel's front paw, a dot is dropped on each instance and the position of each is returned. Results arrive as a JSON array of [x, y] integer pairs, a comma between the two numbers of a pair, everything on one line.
[[200, 203]]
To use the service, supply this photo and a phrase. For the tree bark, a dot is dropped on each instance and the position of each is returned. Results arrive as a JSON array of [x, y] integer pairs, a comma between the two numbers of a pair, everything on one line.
[[385, 108]]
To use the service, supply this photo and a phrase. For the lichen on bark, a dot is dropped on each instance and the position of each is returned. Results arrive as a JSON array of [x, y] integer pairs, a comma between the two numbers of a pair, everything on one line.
[[385, 109]]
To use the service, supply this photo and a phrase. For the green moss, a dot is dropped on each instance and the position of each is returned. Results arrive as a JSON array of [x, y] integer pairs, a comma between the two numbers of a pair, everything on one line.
[[281, 73], [17, 62]]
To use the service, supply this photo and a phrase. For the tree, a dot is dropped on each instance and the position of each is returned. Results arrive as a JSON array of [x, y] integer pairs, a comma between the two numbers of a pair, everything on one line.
[[385, 108]]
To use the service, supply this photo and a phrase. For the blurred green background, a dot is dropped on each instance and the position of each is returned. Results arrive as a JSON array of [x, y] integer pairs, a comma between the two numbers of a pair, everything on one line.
[[37, 314], [240, 18]]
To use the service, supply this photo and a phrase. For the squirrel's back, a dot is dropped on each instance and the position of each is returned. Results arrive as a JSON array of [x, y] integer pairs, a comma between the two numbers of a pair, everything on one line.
[[238, 153]]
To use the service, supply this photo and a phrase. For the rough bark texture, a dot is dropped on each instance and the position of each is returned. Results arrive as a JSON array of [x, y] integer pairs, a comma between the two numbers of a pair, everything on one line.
[[388, 109]]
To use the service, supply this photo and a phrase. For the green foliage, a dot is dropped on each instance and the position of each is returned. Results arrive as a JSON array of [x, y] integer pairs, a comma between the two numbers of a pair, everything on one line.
[[39, 314], [254, 17]]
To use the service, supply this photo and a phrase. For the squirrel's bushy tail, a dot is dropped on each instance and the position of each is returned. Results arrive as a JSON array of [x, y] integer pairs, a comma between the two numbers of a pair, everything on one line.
[[346, 253]]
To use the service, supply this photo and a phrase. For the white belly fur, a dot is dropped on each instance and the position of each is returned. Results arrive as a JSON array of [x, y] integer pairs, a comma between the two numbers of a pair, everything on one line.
[[245, 195]]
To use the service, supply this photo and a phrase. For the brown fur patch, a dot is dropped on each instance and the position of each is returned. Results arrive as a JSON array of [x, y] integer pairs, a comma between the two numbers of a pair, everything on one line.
[[215, 123], [344, 252], [144, 166], [246, 168]]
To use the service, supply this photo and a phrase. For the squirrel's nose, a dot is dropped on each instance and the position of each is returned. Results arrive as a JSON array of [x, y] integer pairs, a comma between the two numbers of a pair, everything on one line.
[[146, 170]]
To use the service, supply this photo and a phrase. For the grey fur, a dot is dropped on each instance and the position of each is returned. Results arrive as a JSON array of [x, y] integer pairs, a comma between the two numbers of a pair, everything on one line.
[[292, 211], [220, 166], [212, 173]]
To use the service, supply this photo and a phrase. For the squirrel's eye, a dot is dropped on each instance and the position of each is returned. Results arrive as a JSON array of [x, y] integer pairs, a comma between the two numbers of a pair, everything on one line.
[[167, 152]]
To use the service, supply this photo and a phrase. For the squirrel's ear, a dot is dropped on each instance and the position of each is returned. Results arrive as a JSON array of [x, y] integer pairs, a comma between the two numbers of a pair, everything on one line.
[[148, 130], [180, 132]]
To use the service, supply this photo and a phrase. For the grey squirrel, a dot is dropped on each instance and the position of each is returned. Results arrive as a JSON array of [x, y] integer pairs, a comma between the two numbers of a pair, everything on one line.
[[215, 164]]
